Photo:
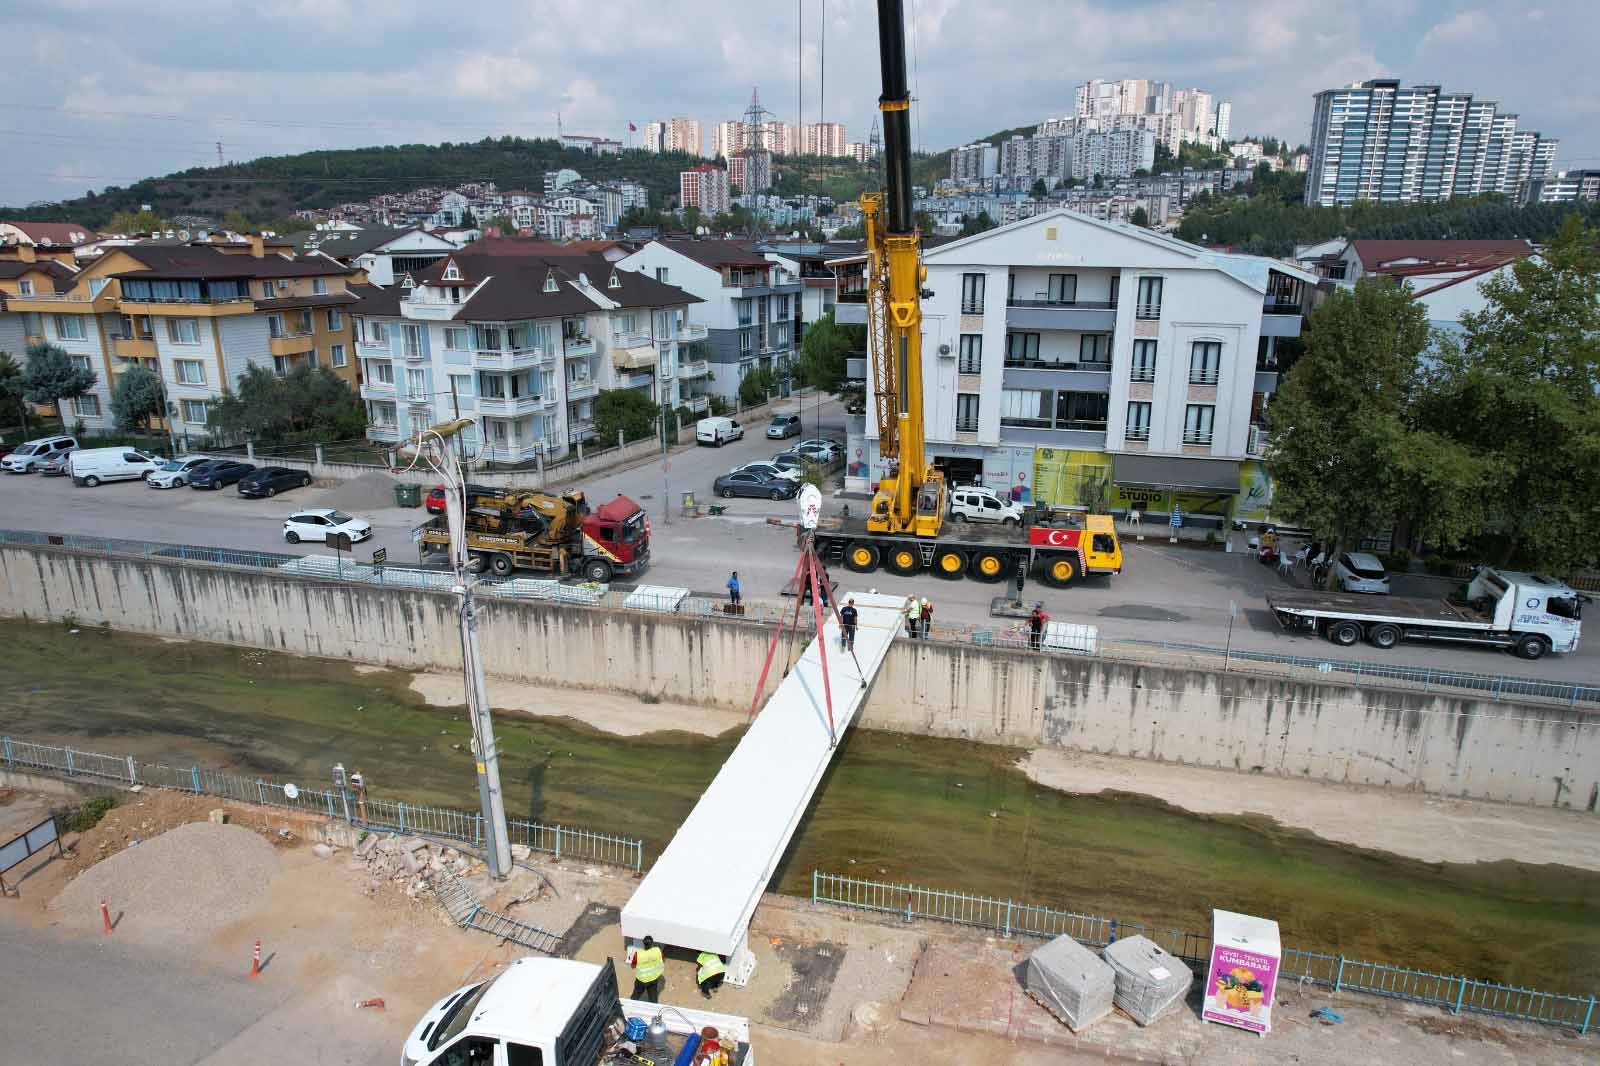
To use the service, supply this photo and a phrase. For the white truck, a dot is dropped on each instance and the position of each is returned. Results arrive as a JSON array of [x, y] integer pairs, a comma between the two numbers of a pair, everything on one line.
[[558, 1012], [1530, 613]]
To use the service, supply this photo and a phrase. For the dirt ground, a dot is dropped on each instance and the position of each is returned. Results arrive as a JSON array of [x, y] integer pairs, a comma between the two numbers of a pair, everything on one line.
[[1428, 828], [610, 712]]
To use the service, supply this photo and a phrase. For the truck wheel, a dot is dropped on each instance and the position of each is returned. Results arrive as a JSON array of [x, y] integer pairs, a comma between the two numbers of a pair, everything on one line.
[[477, 562], [1057, 571], [950, 563], [1384, 636], [597, 570], [861, 557], [1532, 647], [1344, 634], [904, 561], [500, 564], [987, 566]]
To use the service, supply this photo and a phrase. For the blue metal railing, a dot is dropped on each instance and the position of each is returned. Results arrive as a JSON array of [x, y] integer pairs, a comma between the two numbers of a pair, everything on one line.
[[390, 816], [1012, 919]]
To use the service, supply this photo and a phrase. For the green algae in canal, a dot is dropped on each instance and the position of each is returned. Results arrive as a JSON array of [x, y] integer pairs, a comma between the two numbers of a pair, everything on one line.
[[942, 813]]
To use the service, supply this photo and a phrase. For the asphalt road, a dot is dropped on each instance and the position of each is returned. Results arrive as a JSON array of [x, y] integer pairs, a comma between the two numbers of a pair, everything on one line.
[[1177, 594]]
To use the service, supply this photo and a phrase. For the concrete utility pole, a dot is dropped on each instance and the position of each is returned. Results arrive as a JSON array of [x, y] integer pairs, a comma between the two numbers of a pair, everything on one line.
[[434, 445]]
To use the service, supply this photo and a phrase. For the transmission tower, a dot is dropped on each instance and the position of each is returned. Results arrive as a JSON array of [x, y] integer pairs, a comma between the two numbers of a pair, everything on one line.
[[756, 160], [875, 154], [220, 163]]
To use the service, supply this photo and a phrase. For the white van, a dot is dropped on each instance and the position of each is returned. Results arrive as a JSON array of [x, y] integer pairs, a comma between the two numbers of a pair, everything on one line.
[[28, 455], [974, 503], [717, 431], [94, 465]]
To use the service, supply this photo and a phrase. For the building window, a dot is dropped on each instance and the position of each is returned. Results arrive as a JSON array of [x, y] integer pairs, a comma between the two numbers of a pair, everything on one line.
[[745, 309], [79, 362], [190, 371], [1029, 408], [1082, 410], [335, 320], [661, 274], [183, 331], [411, 341], [86, 406], [1094, 350], [416, 385], [1205, 361], [972, 294], [319, 286], [1116, 284], [336, 355], [971, 359], [1149, 304], [1022, 348], [195, 412], [745, 342], [486, 338], [966, 412], [32, 323], [282, 364], [491, 386], [1063, 288], [266, 290], [1197, 420], [380, 371], [1144, 361], [455, 338], [274, 326], [1138, 421], [25, 287], [378, 333], [70, 328]]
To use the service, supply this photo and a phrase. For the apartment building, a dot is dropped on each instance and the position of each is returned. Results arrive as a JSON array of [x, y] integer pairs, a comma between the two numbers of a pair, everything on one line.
[[1079, 362], [704, 187], [974, 162], [750, 304], [384, 253], [825, 138], [521, 336], [197, 314], [1563, 187], [1380, 140]]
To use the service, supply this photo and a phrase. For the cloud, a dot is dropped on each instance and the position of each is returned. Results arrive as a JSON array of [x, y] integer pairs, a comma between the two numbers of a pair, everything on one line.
[[1463, 27], [495, 77]]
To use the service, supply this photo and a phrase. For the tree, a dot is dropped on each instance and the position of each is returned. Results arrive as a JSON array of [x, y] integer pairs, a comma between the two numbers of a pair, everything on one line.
[[1345, 451], [628, 410], [755, 387], [238, 222], [11, 388], [1038, 191], [141, 221], [977, 224], [51, 377], [504, 224], [1140, 217], [823, 352], [307, 402], [136, 398]]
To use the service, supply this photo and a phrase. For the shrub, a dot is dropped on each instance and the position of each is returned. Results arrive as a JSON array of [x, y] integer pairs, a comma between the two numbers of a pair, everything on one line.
[[89, 813]]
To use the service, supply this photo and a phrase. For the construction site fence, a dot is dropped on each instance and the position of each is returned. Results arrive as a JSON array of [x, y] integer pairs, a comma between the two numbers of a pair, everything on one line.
[[1011, 919], [1013, 634], [363, 812]]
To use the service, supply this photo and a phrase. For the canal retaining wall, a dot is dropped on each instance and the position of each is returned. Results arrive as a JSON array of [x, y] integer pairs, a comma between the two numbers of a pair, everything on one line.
[[1428, 741]]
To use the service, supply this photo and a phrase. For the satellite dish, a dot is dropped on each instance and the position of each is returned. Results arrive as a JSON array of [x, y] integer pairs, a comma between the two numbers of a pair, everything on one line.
[[810, 501], [291, 790], [183, 235]]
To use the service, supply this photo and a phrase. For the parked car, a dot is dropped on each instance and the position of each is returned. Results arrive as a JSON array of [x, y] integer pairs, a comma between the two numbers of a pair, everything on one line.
[[790, 461], [27, 456], [820, 450], [319, 522], [217, 473], [433, 503], [717, 431], [750, 483], [974, 503], [271, 480], [783, 426], [56, 465], [768, 469], [91, 466], [175, 473], [1360, 572]]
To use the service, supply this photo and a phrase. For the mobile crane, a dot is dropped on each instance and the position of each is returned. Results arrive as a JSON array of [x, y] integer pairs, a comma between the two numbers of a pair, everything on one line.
[[904, 530]]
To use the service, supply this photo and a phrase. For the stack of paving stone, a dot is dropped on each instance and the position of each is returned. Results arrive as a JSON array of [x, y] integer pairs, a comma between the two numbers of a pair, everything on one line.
[[1071, 983], [1149, 979]]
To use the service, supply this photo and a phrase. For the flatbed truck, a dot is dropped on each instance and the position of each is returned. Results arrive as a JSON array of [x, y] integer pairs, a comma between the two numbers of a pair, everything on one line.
[[1532, 614], [1057, 553]]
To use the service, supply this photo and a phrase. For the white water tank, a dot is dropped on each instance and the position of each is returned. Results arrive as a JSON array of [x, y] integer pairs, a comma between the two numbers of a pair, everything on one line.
[[1071, 637]]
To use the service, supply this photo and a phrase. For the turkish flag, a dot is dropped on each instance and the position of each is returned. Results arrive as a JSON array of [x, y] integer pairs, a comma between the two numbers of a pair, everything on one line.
[[632, 128]]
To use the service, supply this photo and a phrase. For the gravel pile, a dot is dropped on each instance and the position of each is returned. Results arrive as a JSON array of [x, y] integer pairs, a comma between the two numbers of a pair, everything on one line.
[[367, 492], [176, 888]]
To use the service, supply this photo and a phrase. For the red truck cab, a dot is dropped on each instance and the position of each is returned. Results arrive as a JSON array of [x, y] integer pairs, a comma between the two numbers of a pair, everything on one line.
[[616, 539]]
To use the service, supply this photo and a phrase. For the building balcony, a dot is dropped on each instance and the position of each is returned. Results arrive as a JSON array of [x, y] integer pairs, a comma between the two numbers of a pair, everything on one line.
[[61, 303], [1081, 316], [698, 404], [641, 358], [582, 390], [850, 314], [577, 347], [428, 311], [517, 359], [1256, 442], [689, 333], [133, 347], [292, 344], [377, 390], [509, 406], [1281, 320], [1038, 374], [377, 348], [218, 308], [383, 432], [697, 369], [580, 429]]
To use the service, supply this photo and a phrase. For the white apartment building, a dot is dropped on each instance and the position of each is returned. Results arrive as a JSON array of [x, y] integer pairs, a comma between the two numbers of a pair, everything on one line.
[[681, 135], [1073, 361], [704, 187], [974, 162], [727, 138], [749, 306], [825, 138], [523, 342], [781, 137]]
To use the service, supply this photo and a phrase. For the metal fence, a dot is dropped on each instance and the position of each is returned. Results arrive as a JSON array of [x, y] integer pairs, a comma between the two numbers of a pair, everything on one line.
[[377, 815], [1012, 919], [1013, 635]]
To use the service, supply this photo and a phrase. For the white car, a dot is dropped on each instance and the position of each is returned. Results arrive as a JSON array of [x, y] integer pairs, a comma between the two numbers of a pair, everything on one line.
[[974, 503], [319, 522], [174, 473], [767, 469], [1360, 572], [823, 451]]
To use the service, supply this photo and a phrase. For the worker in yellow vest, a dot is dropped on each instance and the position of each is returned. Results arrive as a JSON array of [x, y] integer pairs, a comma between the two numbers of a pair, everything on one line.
[[649, 972], [712, 970]]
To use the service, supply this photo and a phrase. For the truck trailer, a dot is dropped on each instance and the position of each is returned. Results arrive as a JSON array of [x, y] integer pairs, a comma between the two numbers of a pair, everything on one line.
[[1530, 613], [526, 529], [1056, 554]]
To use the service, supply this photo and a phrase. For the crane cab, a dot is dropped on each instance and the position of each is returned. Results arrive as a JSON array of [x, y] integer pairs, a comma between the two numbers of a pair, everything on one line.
[[927, 518]]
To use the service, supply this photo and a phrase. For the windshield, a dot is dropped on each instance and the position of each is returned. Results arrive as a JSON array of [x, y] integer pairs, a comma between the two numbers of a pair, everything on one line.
[[633, 529], [172, 464], [28, 449], [455, 1019], [338, 518], [1564, 606]]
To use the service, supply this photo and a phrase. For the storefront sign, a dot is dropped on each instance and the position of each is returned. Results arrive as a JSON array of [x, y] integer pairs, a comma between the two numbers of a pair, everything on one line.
[[1245, 953]]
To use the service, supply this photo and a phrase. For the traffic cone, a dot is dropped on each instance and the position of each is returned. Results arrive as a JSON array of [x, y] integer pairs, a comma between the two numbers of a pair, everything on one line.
[[105, 918], [255, 961]]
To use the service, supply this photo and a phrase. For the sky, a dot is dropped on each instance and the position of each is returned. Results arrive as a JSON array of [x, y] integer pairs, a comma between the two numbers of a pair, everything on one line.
[[104, 92]]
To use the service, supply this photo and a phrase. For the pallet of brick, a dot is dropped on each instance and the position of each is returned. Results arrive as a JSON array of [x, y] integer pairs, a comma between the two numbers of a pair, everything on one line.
[[1149, 979], [1071, 982]]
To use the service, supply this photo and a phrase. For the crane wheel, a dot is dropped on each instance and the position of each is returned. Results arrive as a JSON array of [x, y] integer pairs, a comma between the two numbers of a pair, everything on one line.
[[988, 566], [501, 564], [862, 558], [950, 563], [1057, 571], [904, 561]]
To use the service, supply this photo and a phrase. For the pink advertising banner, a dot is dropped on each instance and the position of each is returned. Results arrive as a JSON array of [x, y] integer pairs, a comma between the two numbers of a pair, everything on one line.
[[1244, 972]]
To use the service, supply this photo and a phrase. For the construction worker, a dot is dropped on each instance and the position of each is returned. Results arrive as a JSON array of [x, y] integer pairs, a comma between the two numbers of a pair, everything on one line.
[[1036, 624], [733, 588], [709, 975], [913, 616], [927, 618], [649, 972], [847, 624]]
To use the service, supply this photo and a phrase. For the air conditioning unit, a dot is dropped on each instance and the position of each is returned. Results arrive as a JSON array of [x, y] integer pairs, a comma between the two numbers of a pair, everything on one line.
[[282, 285], [944, 350]]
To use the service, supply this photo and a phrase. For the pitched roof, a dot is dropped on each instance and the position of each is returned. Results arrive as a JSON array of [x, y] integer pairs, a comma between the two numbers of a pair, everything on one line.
[[70, 234], [60, 274], [1376, 256], [344, 244], [380, 300], [716, 254], [167, 261]]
